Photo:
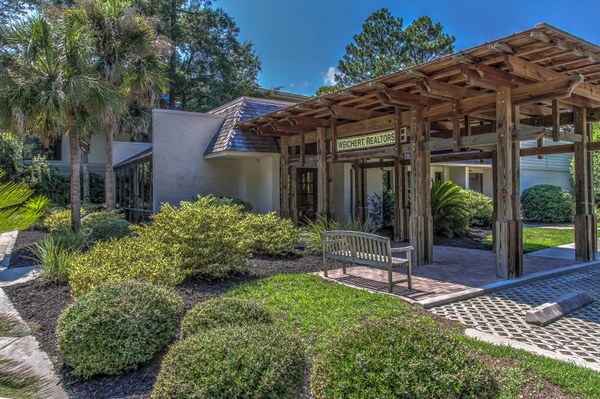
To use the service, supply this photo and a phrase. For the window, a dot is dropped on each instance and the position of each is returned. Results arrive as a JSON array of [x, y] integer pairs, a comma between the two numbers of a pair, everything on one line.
[[476, 182], [34, 147], [134, 190], [306, 194], [438, 177], [387, 180]]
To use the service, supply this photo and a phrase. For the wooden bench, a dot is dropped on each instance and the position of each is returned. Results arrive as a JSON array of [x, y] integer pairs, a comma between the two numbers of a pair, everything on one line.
[[367, 250]]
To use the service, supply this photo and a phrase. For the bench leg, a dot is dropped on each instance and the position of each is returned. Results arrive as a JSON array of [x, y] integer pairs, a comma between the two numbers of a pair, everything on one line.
[[409, 271], [324, 266], [391, 288], [344, 267]]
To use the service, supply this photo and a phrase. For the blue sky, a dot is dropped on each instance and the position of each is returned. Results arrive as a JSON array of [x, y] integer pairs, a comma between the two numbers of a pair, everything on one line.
[[299, 41]]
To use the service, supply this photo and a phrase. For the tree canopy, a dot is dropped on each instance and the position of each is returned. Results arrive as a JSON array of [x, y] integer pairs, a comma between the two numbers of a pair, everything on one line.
[[384, 47]]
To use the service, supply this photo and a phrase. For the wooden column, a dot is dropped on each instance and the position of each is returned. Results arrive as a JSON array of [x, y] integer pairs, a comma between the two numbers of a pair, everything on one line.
[[322, 172], [331, 190], [284, 179], [420, 228], [585, 219], [507, 227], [400, 225], [359, 192], [294, 194]]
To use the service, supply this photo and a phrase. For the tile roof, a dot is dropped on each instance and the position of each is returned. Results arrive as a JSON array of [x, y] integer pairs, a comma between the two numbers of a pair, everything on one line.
[[230, 138]]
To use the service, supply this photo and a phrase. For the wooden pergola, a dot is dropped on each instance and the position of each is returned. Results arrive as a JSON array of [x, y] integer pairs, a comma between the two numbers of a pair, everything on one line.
[[476, 104]]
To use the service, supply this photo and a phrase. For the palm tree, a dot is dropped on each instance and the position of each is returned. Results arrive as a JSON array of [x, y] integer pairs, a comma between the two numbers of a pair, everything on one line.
[[49, 84], [19, 209], [129, 56]]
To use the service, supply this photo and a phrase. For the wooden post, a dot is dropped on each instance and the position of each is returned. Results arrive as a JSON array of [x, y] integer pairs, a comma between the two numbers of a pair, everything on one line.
[[421, 228], [507, 227], [284, 179], [331, 189], [358, 196], [294, 194], [585, 219], [322, 172], [517, 226], [400, 231]]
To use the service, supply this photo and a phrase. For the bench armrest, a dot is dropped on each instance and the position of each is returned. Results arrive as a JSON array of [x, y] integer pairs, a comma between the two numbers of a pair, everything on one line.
[[403, 249]]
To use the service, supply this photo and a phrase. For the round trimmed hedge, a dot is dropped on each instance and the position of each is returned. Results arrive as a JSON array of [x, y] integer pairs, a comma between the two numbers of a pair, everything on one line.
[[387, 358], [114, 328], [256, 362], [547, 204], [223, 312]]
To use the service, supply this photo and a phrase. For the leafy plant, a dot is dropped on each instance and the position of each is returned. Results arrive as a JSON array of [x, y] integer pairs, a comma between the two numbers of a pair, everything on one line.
[[18, 208], [206, 235], [59, 219], [72, 240], [449, 209], [480, 208], [269, 234], [311, 233], [381, 208], [117, 327], [250, 363], [398, 358], [246, 206], [223, 312], [54, 260], [144, 257], [547, 204]]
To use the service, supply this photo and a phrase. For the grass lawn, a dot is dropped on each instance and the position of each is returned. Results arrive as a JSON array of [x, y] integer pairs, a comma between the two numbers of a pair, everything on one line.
[[318, 310], [536, 238]]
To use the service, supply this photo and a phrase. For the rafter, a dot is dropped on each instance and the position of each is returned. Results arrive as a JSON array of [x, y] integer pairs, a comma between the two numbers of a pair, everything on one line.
[[403, 99], [444, 90], [356, 114], [308, 122]]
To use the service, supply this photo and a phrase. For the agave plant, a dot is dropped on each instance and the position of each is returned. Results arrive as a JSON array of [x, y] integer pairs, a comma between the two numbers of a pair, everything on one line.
[[449, 209], [18, 208]]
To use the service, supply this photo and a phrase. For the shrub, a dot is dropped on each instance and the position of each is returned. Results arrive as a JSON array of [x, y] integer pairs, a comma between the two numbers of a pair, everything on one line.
[[244, 363], [480, 208], [390, 358], [59, 219], [115, 328], [104, 225], [381, 208], [449, 209], [206, 235], [311, 233], [223, 312], [246, 206], [547, 204], [72, 240], [269, 234], [54, 260], [144, 258]]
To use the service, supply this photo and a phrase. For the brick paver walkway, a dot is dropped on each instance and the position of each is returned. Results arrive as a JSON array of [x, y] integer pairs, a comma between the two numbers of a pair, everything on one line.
[[503, 314], [454, 269]]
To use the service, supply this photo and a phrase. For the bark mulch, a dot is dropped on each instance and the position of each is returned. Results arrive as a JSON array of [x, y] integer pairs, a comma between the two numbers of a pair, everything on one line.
[[473, 239], [21, 256], [41, 304]]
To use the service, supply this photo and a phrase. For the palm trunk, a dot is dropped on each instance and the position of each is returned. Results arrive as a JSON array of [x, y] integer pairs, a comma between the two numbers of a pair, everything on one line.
[[84, 144], [75, 194], [110, 128]]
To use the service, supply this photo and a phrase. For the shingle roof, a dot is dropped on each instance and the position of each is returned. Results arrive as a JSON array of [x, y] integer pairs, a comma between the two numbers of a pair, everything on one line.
[[230, 138]]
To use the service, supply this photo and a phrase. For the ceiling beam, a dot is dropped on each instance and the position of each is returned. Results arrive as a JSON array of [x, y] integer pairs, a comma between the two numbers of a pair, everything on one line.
[[446, 90], [354, 114], [403, 99], [308, 122]]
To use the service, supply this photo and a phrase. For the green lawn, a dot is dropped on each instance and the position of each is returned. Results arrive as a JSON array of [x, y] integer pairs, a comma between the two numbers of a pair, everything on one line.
[[318, 310], [536, 238]]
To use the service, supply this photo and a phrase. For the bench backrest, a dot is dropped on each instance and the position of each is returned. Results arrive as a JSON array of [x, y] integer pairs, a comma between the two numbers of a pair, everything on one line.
[[357, 247]]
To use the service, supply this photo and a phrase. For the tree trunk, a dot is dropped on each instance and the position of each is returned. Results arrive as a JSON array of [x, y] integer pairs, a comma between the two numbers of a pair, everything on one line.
[[84, 144], [75, 194], [110, 128]]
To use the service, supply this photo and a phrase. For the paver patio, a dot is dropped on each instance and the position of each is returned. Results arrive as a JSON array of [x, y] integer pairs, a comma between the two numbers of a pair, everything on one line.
[[503, 314], [454, 269]]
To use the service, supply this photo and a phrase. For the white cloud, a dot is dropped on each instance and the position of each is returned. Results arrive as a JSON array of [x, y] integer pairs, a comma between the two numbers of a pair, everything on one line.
[[329, 76]]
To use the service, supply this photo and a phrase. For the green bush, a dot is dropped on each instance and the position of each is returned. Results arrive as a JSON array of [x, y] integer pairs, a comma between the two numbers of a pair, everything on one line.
[[115, 328], [144, 258], [480, 208], [244, 363], [246, 206], [311, 232], [223, 312], [103, 225], [54, 260], [72, 240], [449, 209], [207, 236], [59, 219], [269, 234], [546, 203], [391, 358]]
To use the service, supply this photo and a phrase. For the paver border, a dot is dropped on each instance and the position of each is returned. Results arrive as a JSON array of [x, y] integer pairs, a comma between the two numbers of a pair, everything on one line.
[[501, 285]]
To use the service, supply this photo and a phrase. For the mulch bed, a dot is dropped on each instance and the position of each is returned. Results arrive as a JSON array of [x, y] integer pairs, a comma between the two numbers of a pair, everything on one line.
[[473, 239], [41, 304], [21, 256]]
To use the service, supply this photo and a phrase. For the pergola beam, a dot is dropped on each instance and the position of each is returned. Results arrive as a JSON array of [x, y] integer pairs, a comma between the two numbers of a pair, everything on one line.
[[355, 114]]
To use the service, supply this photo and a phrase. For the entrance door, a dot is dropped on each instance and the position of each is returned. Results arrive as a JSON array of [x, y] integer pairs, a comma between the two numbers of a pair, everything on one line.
[[306, 194]]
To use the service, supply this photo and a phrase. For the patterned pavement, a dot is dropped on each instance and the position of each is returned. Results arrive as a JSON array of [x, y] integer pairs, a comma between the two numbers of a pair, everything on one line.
[[503, 314]]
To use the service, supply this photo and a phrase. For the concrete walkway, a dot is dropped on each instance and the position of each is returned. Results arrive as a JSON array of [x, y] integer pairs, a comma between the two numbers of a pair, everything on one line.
[[25, 350]]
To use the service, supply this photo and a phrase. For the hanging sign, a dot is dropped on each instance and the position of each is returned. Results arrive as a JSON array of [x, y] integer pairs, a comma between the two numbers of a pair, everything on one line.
[[379, 139]]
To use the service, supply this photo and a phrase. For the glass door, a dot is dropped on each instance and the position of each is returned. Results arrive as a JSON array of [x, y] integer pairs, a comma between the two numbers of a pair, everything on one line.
[[306, 194]]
